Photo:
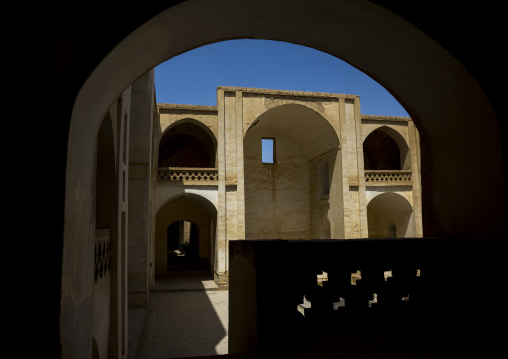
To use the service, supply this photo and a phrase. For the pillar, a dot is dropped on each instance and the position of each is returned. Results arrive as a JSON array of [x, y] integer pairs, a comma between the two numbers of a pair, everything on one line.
[[140, 156], [231, 211]]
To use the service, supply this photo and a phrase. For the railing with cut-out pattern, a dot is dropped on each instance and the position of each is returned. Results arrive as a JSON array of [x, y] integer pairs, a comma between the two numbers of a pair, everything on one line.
[[188, 175], [388, 177], [342, 283]]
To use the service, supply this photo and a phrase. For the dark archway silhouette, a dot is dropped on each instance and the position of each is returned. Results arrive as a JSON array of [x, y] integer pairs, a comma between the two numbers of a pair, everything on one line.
[[92, 66], [386, 149], [187, 145], [380, 152]]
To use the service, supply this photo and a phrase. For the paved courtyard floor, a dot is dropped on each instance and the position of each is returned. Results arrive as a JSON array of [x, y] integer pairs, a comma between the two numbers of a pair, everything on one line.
[[186, 317]]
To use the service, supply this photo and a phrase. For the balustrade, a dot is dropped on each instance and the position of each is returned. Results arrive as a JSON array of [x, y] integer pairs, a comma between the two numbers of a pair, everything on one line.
[[276, 286], [188, 175], [391, 177]]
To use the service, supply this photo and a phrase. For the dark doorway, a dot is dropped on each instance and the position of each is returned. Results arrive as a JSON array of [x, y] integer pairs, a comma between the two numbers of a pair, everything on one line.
[[381, 152], [183, 246]]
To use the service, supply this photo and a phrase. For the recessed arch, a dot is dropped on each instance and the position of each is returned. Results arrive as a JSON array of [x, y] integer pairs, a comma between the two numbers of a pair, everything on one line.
[[208, 199], [390, 214], [384, 148], [309, 128], [193, 122], [278, 195], [187, 143]]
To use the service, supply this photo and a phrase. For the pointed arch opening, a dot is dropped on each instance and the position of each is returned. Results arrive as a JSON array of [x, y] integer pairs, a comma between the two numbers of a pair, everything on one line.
[[386, 149], [187, 144]]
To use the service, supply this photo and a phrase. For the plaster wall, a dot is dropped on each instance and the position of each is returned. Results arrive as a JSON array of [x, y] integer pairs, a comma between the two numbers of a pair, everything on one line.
[[276, 194]]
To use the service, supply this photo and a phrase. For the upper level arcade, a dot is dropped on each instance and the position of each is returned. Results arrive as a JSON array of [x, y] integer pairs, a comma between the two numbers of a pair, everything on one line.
[[387, 154], [186, 143]]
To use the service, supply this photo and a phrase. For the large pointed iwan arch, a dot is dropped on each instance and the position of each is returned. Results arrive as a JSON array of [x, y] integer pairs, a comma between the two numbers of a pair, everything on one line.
[[279, 195]]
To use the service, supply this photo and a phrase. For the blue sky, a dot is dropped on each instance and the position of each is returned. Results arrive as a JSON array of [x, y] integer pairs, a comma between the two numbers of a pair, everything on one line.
[[193, 77]]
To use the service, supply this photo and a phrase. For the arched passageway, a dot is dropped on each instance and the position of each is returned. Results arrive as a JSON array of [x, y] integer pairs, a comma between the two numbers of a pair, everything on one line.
[[185, 230], [390, 215], [279, 193], [433, 86]]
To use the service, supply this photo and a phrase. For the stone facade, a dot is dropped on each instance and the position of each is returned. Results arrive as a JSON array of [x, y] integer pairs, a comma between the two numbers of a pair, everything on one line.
[[320, 184]]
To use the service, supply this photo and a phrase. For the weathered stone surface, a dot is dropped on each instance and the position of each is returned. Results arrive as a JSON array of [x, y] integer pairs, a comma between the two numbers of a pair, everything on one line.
[[315, 188]]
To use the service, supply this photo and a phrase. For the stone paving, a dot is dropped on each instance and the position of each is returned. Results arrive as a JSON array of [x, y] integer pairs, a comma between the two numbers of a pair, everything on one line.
[[186, 317]]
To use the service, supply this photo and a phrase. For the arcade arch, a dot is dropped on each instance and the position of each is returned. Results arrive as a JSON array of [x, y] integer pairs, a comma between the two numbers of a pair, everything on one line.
[[390, 215], [185, 228], [280, 197], [386, 149], [187, 144]]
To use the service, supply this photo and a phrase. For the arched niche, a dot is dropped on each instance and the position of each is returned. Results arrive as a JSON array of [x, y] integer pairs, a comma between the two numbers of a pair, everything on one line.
[[390, 215], [279, 195], [187, 144], [386, 149], [307, 127]]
